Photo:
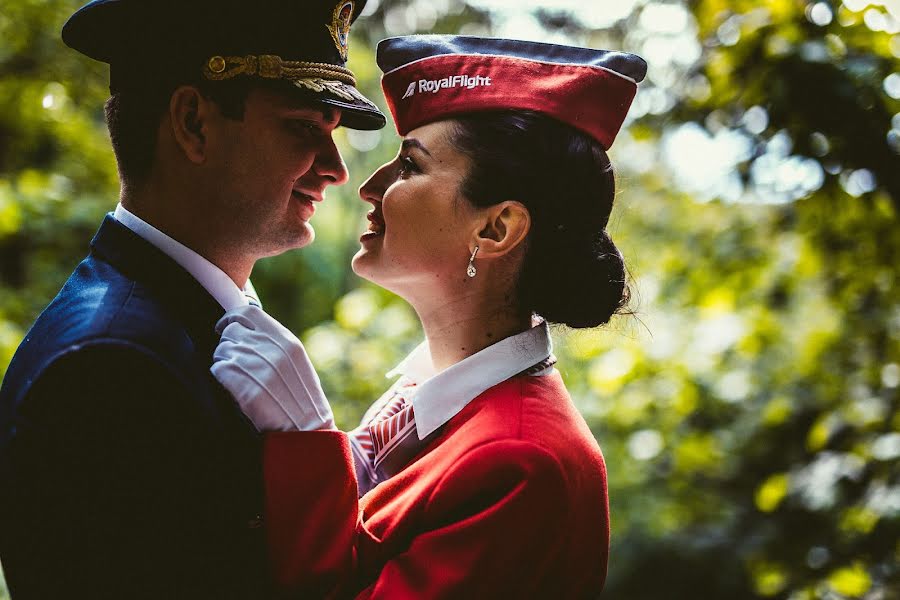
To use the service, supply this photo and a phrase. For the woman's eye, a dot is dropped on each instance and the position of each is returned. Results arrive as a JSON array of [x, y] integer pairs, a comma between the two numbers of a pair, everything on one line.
[[407, 166]]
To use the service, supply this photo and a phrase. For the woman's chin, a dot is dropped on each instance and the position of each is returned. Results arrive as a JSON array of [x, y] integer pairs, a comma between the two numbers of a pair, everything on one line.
[[368, 266], [362, 264]]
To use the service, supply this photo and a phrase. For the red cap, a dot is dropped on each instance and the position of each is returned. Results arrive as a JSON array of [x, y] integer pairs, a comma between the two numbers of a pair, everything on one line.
[[428, 78]]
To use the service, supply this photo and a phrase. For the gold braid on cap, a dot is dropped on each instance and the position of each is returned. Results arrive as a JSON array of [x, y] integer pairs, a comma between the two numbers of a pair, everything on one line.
[[315, 76]]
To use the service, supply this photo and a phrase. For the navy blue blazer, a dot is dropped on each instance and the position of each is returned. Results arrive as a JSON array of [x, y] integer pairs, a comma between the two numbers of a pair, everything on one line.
[[127, 471]]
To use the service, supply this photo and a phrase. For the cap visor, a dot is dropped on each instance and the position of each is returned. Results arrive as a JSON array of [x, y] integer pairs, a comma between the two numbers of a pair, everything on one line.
[[357, 111]]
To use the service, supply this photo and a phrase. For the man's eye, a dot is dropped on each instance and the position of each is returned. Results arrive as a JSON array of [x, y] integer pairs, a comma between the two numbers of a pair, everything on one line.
[[304, 128]]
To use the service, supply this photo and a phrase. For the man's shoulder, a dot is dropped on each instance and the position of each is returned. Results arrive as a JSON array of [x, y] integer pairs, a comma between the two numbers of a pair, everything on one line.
[[98, 301], [99, 305]]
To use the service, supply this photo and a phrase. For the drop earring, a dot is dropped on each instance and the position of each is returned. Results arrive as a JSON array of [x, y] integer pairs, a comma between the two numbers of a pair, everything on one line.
[[471, 271]]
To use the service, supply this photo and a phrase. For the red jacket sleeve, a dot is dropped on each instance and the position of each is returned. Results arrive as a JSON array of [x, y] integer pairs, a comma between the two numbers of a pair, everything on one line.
[[493, 523], [490, 525], [311, 509]]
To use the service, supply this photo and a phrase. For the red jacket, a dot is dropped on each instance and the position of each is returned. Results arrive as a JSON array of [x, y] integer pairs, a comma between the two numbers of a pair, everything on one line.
[[509, 501]]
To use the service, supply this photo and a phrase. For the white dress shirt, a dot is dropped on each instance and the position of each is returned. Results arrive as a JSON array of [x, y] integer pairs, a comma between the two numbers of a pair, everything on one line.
[[438, 396], [213, 279]]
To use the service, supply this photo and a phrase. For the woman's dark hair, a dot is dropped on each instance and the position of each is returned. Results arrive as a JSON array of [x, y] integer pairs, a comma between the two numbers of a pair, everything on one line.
[[572, 273]]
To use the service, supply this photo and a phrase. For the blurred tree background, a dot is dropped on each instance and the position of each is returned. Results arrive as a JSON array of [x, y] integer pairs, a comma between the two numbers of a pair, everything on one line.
[[748, 413]]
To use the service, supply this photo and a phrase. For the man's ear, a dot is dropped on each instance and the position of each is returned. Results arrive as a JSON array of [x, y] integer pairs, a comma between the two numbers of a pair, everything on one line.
[[190, 113], [503, 228]]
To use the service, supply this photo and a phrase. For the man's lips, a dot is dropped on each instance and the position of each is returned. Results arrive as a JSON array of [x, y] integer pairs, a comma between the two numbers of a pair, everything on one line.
[[311, 196], [306, 202]]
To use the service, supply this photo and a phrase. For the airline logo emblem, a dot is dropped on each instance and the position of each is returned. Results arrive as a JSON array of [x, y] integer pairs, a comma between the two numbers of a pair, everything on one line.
[[409, 91], [433, 86]]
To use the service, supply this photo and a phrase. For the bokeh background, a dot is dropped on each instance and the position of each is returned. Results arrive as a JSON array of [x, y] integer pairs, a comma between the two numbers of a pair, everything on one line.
[[748, 410]]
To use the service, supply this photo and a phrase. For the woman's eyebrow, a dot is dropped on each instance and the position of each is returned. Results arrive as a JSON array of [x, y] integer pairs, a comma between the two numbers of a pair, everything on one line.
[[414, 143]]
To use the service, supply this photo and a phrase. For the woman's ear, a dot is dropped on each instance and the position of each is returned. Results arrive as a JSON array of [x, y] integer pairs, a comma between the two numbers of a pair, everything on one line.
[[189, 113], [503, 228]]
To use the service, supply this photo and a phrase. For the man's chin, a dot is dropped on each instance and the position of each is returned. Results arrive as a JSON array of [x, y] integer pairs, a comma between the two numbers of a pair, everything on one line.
[[294, 241], [301, 237], [308, 237]]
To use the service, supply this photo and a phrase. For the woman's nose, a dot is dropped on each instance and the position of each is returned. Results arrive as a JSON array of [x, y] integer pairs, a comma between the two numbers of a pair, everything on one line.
[[373, 188]]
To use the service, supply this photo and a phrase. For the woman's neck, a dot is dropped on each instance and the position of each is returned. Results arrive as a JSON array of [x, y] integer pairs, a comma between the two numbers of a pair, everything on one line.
[[458, 329]]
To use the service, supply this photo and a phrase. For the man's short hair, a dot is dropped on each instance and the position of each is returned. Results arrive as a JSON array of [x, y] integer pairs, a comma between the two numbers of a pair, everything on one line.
[[133, 117]]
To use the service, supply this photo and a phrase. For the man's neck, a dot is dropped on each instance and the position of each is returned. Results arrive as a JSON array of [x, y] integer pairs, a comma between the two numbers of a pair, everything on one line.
[[183, 227]]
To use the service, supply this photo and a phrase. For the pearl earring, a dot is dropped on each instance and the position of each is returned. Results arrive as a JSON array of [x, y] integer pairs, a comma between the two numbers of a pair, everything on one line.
[[471, 271]]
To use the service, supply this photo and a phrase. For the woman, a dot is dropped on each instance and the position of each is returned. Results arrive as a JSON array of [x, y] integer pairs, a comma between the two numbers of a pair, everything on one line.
[[477, 475]]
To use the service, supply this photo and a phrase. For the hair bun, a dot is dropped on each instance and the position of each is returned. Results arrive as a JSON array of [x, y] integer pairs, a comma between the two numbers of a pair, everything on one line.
[[579, 281]]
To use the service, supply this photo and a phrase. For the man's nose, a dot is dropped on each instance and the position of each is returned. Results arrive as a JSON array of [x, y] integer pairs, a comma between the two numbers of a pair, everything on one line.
[[330, 165]]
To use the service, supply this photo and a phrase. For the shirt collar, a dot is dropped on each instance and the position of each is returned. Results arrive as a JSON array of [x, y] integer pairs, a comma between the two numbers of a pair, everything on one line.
[[441, 395], [219, 285]]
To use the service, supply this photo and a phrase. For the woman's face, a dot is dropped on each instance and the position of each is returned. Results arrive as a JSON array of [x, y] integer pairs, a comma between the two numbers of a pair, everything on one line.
[[421, 230]]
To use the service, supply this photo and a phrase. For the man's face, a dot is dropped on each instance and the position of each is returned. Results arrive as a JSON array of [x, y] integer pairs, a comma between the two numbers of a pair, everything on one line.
[[269, 171]]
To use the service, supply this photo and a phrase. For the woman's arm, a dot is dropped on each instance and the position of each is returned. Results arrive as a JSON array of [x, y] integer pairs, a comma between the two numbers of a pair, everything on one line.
[[311, 510], [490, 526], [311, 490]]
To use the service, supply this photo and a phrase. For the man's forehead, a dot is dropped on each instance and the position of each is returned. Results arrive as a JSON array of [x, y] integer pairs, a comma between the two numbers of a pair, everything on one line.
[[328, 114], [301, 105]]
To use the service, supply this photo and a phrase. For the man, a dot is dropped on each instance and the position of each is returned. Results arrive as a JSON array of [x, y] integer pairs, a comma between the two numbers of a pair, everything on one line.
[[126, 470]]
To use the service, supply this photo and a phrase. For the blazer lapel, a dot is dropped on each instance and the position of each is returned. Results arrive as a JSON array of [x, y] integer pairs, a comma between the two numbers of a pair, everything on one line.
[[175, 288]]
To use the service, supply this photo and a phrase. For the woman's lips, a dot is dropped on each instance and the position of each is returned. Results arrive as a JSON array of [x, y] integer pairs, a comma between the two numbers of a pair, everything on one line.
[[376, 225]]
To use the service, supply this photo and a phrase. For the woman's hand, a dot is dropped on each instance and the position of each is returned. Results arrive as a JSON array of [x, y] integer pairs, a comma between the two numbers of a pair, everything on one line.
[[267, 370]]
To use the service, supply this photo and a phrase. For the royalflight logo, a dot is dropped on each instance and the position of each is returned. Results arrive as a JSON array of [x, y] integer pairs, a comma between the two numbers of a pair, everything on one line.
[[435, 85], [409, 91]]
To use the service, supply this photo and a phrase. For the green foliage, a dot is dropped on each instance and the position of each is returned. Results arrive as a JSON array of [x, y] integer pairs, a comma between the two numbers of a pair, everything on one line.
[[748, 412]]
